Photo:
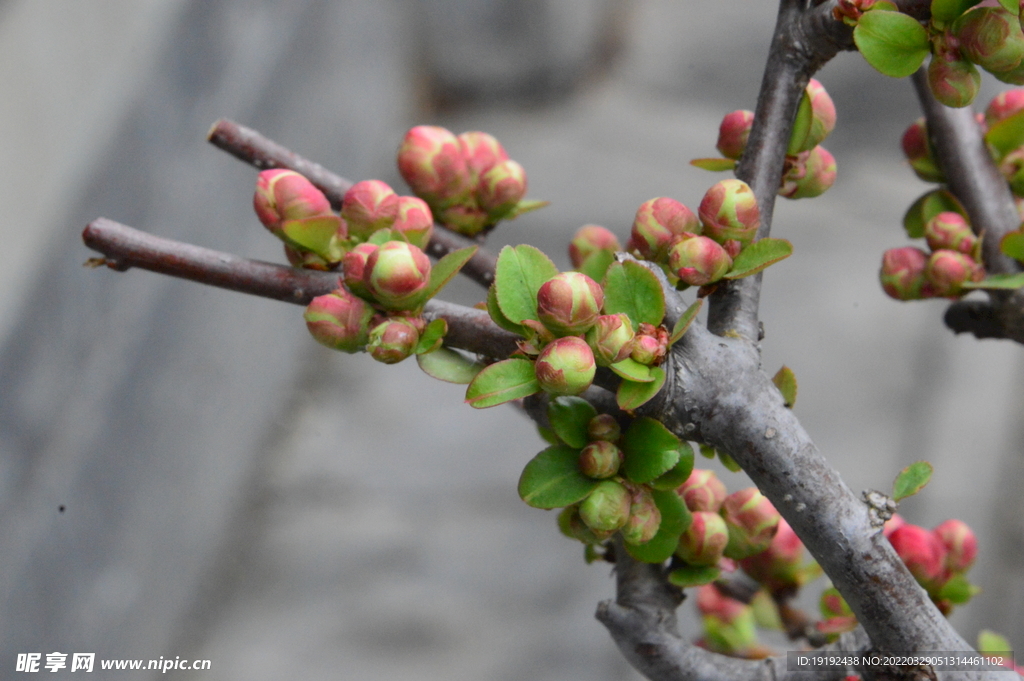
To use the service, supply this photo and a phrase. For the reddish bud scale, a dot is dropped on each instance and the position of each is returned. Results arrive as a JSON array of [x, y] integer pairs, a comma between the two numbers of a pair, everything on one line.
[[611, 338], [729, 211], [565, 366], [733, 133], [698, 261], [569, 303], [339, 320], [903, 273], [947, 271], [752, 522], [395, 273], [950, 231], [431, 162], [368, 206], [704, 541], [923, 554], [778, 566], [1004, 105], [702, 491], [658, 222], [481, 151], [590, 239], [961, 545], [414, 221], [286, 195]]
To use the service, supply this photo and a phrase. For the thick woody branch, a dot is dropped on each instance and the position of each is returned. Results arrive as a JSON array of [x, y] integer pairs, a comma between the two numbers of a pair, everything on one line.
[[250, 146]]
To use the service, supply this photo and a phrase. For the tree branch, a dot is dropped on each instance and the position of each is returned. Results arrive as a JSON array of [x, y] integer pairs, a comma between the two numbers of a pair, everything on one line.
[[250, 146]]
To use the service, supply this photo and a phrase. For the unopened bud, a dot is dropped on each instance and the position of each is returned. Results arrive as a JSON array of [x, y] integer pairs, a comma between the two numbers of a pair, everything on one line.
[[704, 541], [650, 345], [368, 206], [752, 522], [431, 162], [396, 273], [711, 601], [589, 240], [950, 230], [339, 320], [464, 219], [918, 150], [286, 195], [607, 507], [990, 37], [947, 271], [481, 151], [566, 366], [611, 338], [600, 459], [414, 220], [832, 604], [823, 115], [923, 554], [778, 566], [952, 79], [903, 273], [698, 261], [569, 303], [1012, 168], [658, 222], [729, 211], [1004, 105], [501, 188], [354, 267], [644, 517], [393, 340], [572, 525], [961, 545], [604, 427], [702, 491], [808, 174], [850, 11], [733, 133]]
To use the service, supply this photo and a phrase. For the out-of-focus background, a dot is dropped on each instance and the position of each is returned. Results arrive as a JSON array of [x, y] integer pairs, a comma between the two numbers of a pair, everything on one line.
[[185, 473]]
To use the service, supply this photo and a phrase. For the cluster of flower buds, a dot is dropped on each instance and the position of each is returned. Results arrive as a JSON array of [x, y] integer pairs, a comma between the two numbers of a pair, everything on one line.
[[467, 180], [909, 273], [938, 558]]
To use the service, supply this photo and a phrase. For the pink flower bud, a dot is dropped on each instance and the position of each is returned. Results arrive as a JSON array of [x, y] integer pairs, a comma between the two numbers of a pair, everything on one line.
[[1012, 168], [711, 601], [733, 133], [704, 541], [850, 11], [481, 151], [611, 338], [903, 273], [808, 174], [923, 554], [569, 303], [600, 459], [650, 345], [644, 517], [823, 114], [607, 507], [1004, 105], [990, 37], [947, 272], [698, 261], [950, 231], [414, 220], [778, 567], [393, 340], [565, 366], [589, 240], [702, 491], [431, 162], [354, 267], [604, 427], [501, 188], [961, 545], [893, 524], [286, 195], [396, 273], [368, 206], [954, 81], [658, 222], [918, 150], [729, 211], [752, 522], [832, 604], [339, 320]]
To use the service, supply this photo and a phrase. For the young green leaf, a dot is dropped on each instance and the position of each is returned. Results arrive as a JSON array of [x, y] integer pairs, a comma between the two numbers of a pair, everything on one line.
[[1010, 5], [785, 381], [633, 289], [433, 334], [448, 365], [684, 321], [997, 281], [502, 382], [597, 263], [650, 449], [313, 234], [893, 43], [382, 236], [569, 417], [948, 10], [498, 317], [1012, 244], [707, 451], [553, 479], [675, 518], [801, 125], [958, 590], [911, 479], [548, 436], [633, 394], [693, 575], [632, 370], [1006, 135], [928, 206], [728, 461], [991, 642], [525, 206], [758, 256], [446, 268], [521, 271], [715, 165], [680, 473]]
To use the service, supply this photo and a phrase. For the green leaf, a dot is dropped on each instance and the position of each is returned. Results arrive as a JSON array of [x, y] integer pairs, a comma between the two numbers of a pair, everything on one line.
[[893, 43], [948, 10], [448, 365], [312, 234], [382, 236], [632, 370], [596, 264], [446, 268], [758, 256], [911, 479], [525, 206], [707, 451], [680, 473], [548, 435], [1006, 135], [633, 289], [928, 206], [569, 417], [998, 281], [693, 575], [958, 590], [766, 612], [1009, 5], [991, 642], [553, 479], [1012, 244], [633, 394], [675, 518], [801, 125], [728, 461], [521, 271], [650, 448], [498, 317], [502, 382], [715, 165], [684, 321], [433, 334], [785, 381]]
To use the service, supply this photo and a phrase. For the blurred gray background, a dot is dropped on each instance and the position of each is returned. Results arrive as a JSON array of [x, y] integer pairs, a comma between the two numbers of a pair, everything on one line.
[[184, 472]]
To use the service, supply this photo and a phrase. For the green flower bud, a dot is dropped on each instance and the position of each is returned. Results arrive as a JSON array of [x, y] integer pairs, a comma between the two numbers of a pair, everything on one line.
[[729, 211], [286, 195], [950, 230], [918, 149], [481, 151], [607, 507], [702, 491], [368, 206], [990, 37], [572, 525], [396, 273], [600, 459], [431, 162], [589, 240], [339, 320], [658, 222], [733, 133], [644, 517], [611, 338], [947, 271], [961, 545], [698, 261], [566, 366], [752, 522], [604, 427], [704, 541], [569, 303], [903, 273], [953, 81], [393, 340], [414, 221]]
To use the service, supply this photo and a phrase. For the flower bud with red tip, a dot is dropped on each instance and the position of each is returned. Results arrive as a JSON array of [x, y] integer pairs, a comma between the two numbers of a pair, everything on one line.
[[903, 273], [590, 239], [393, 340], [607, 507], [565, 366], [501, 188], [569, 303], [644, 517], [947, 271], [611, 338], [286, 195], [752, 522], [431, 162], [650, 345], [600, 459], [990, 37], [923, 554], [604, 427], [481, 151], [1004, 105], [702, 491], [396, 273], [808, 174], [950, 230], [850, 11], [698, 261], [778, 566], [339, 320], [729, 211], [961, 545], [918, 150], [733, 133], [414, 221], [704, 541], [658, 222], [368, 206]]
